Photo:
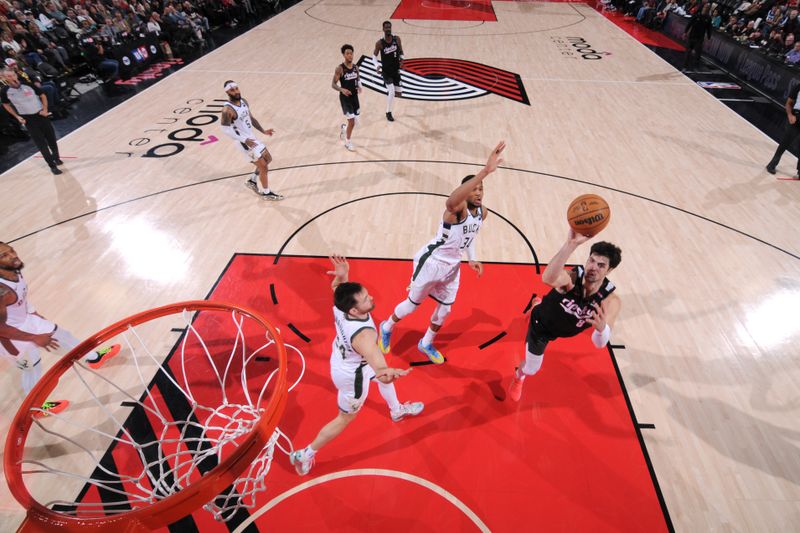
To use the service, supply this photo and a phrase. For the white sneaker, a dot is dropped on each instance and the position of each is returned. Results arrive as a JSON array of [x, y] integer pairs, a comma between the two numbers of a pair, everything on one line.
[[407, 409], [271, 196], [350, 146], [301, 462], [342, 132]]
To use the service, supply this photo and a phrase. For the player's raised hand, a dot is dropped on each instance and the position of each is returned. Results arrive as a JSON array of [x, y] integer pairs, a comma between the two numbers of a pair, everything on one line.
[[573, 237], [494, 158], [388, 375], [341, 269]]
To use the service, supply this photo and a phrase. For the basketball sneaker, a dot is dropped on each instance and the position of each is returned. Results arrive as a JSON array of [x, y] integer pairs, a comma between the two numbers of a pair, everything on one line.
[[384, 339], [349, 146], [342, 132], [407, 409], [51, 408], [103, 355], [271, 196], [302, 463], [515, 387], [251, 184], [389, 117], [433, 354]]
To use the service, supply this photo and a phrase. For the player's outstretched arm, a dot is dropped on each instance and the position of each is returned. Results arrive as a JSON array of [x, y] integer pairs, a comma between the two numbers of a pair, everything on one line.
[[341, 270], [555, 275], [455, 203], [365, 343]]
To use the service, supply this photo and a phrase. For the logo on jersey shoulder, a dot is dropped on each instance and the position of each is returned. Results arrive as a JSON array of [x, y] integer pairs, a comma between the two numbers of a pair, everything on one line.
[[442, 79]]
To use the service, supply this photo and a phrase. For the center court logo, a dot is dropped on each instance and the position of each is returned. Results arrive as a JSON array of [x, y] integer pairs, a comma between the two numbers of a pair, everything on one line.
[[578, 48], [440, 79]]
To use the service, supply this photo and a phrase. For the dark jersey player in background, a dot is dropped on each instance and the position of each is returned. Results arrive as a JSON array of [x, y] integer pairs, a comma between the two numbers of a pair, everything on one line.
[[391, 50], [580, 299], [346, 75]]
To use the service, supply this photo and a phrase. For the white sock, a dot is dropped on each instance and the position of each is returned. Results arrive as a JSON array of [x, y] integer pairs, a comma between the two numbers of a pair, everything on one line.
[[388, 325], [427, 340], [390, 395], [390, 99]]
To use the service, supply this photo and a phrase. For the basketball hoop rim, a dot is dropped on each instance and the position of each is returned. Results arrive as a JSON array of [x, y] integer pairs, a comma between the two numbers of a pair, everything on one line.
[[178, 505]]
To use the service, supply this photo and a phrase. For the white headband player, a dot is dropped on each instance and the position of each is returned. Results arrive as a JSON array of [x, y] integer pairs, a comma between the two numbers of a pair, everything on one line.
[[230, 85]]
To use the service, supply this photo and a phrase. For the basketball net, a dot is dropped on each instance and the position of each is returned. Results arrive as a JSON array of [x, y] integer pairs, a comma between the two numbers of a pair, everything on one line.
[[183, 450]]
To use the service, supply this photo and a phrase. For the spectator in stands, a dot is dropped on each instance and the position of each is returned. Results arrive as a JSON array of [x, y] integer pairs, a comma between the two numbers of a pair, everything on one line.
[[775, 45], [792, 25], [96, 56], [54, 13], [716, 18], [71, 23], [792, 57], [788, 43], [44, 45]]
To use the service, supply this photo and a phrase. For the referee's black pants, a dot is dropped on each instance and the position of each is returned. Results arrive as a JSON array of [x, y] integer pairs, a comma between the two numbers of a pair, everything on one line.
[[41, 131], [790, 135]]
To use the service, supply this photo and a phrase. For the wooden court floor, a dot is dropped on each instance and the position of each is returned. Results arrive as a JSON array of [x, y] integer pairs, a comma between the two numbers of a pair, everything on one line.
[[710, 274]]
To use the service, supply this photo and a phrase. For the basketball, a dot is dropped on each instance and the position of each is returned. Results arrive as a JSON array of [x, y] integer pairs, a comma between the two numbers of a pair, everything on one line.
[[588, 214]]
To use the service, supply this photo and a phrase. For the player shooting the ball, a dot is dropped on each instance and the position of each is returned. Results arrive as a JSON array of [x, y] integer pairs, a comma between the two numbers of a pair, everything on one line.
[[581, 298]]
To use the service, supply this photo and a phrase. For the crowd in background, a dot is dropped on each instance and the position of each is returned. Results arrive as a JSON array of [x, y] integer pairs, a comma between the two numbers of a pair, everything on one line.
[[51, 44], [769, 25]]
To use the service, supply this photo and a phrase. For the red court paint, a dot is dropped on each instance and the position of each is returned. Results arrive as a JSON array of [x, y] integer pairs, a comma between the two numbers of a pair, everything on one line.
[[480, 10], [565, 458]]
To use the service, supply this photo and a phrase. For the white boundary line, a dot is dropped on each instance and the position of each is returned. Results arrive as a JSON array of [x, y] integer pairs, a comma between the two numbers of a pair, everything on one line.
[[367, 472]]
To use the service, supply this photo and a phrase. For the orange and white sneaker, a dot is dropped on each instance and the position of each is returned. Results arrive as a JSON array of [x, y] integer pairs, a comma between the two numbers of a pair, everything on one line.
[[51, 408], [515, 388], [103, 355]]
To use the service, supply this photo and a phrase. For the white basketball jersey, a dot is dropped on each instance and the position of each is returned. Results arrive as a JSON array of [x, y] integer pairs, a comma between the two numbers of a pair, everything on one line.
[[18, 311], [452, 239], [343, 356], [242, 125]]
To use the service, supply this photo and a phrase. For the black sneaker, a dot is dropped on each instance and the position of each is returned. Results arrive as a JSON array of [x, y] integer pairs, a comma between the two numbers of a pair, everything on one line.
[[59, 162], [271, 196], [770, 169], [55, 170], [251, 184], [389, 117]]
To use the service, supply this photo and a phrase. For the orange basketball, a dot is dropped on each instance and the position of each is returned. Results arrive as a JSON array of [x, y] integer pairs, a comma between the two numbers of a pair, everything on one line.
[[588, 214]]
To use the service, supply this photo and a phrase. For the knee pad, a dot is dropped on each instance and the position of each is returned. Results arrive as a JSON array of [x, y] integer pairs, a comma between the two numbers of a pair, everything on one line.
[[440, 313]]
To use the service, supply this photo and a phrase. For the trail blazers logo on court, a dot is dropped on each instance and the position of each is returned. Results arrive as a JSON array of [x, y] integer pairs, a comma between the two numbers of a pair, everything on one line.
[[447, 79]]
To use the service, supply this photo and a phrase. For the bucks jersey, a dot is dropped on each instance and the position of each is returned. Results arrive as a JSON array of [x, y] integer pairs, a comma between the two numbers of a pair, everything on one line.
[[564, 315], [243, 124], [453, 239], [343, 356]]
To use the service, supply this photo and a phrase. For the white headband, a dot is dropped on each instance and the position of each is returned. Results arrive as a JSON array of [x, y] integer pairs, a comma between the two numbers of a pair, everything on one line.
[[230, 85]]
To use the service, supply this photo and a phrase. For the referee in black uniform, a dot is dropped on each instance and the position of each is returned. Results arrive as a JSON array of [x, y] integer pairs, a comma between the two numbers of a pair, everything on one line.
[[29, 106], [792, 131]]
